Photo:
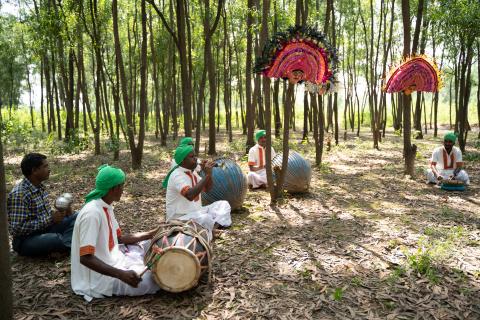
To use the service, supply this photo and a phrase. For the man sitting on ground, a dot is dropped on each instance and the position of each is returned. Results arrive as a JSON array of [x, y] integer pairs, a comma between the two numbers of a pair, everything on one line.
[[447, 163], [106, 262], [257, 177], [37, 229], [184, 187]]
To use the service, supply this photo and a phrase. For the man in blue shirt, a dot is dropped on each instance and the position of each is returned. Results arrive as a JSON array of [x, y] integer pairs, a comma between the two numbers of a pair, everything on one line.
[[36, 228]]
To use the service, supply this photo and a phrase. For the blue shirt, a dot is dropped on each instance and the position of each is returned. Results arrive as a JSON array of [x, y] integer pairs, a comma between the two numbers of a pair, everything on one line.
[[28, 209]]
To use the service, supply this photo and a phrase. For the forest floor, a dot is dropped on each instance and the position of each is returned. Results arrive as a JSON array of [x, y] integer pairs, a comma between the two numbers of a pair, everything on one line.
[[365, 243]]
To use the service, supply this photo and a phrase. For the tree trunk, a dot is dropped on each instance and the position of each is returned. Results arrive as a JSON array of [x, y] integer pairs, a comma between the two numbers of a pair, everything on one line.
[[184, 73], [478, 86], [409, 150], [123, 82], [250, 116], [266, 100], [6, 296], [209, 31], [285, 148]]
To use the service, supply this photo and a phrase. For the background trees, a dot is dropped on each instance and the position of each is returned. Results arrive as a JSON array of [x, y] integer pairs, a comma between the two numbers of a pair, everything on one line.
[[115, 70]]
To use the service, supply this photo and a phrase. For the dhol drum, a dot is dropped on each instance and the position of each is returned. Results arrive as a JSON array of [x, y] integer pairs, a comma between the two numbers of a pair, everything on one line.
[[230, 184], [179, 255], [299, 172]]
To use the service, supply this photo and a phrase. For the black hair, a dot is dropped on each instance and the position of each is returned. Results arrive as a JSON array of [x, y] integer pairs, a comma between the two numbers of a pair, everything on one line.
[[31, 161]]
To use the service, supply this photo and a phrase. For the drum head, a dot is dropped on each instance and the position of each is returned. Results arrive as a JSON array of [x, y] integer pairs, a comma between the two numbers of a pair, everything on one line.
[[177, 270]]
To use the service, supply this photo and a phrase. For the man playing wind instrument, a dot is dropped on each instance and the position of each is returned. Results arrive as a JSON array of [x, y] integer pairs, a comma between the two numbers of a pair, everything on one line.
[[184, 187]]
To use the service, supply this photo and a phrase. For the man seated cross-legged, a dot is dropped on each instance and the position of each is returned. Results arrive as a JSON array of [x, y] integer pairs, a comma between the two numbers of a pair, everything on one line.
[[106, 262], [257, 177], [447, 162], [184, 187], [37, 229]]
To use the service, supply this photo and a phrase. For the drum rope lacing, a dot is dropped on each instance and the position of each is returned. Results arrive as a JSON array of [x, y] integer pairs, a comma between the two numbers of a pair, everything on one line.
[[171, 227]]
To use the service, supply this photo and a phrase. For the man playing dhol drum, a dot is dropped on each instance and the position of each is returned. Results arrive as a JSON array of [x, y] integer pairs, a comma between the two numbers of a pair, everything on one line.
[[184, 187], [257, 177], [106, 262]]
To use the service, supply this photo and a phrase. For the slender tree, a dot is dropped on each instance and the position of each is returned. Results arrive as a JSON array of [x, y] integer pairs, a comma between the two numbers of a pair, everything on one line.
[[6, 299]]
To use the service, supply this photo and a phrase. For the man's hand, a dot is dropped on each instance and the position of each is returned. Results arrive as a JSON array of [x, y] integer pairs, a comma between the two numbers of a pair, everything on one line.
[[58, 216], [130, 277], [208, 167]]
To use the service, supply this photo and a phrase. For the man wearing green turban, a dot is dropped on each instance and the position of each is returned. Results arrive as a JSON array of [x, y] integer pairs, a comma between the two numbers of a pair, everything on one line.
[[186, 141], [447, 162], [102, 264], [257, 177], [184, 187]]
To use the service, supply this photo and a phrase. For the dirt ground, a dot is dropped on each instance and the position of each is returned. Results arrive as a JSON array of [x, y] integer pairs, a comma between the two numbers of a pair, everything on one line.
[[366, 242]]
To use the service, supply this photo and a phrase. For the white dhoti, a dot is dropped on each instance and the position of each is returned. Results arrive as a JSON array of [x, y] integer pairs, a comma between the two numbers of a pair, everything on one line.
[[257, 178], [207, 216], [133, 260], [446, 174]]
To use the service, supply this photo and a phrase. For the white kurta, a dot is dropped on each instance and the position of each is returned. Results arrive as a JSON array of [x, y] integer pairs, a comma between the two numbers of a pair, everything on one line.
[[256, 158], [179, 207], [446, 163], [96, 232]]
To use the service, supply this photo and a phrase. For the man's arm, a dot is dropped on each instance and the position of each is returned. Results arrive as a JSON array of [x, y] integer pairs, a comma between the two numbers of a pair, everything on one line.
[[433, 166], [22, 221], [130, 277], [192, 193], [136, 237]]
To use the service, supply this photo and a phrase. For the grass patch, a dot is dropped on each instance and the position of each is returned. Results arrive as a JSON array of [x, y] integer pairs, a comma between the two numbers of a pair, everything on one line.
[[435, 246], [356, 281], [472, 157], [397, 273], [257, 217], [337, 294]]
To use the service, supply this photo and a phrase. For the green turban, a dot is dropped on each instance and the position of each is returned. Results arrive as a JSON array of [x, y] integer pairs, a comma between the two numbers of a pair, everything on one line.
[[186, 141], [259, 134], [107, 178], [181, 153], [450, 136]]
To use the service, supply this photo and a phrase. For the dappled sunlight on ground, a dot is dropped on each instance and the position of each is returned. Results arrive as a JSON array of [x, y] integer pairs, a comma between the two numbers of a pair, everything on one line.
[[365, 243]]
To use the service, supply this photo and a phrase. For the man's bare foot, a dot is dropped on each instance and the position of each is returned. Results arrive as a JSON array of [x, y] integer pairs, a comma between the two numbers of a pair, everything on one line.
[[217, 233]]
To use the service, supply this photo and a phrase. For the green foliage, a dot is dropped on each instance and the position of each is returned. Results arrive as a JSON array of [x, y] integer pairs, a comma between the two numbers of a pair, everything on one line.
[[75, 144], [12, 66], [337, 294], [436, 245], [472, 157], [397, 273], [17, 132]]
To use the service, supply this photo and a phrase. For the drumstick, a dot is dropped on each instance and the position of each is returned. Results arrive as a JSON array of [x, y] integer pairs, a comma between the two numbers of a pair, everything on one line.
[[143, 272], [149, 265]]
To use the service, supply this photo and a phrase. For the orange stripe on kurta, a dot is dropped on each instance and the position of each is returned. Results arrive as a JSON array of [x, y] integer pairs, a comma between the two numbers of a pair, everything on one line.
[[252, 163], [111, 243], [87, 250], [119, 233], [260, 156], [184, 191], [193, 179], [445, 160]]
